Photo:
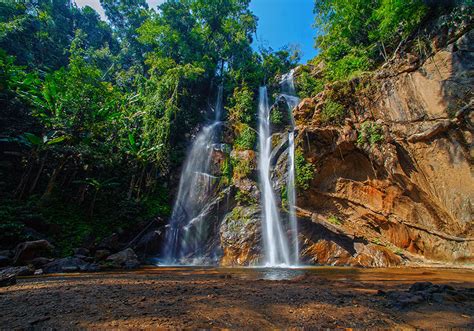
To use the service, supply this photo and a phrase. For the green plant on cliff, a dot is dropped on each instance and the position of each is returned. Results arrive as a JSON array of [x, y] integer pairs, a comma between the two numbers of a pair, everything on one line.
[[284, 197], [334, 220], [304, 170], [307, 85], [370, 133], [359, 34], [241, 168], [245, 198], [276, 117], [246, 139], [333, 112], [226, 171]]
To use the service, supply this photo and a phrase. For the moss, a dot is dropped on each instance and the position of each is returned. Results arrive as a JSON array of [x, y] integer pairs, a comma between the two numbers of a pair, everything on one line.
[[245, 198], [334, 220], [377, 241], [237, 219], [304, 171]]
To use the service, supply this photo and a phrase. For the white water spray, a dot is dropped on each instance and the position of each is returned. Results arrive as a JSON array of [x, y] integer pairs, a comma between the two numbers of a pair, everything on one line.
[[187, 229]]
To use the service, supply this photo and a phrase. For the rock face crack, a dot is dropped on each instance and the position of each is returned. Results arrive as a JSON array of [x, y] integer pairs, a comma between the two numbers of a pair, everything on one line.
[[430, 133]]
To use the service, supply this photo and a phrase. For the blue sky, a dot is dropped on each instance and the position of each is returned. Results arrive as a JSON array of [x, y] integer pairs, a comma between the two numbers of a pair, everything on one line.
[[281, 22]]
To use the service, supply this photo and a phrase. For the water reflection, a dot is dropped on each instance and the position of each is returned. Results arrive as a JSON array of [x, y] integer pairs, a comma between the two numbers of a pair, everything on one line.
[[279, 273]]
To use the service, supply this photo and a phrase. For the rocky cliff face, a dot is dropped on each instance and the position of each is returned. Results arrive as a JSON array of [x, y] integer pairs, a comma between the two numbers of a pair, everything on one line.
[[392, 179], [394, 183]]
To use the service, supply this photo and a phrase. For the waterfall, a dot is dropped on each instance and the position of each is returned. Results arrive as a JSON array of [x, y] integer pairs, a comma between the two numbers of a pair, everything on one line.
[[274, 237], [289, 94], [187, 230]]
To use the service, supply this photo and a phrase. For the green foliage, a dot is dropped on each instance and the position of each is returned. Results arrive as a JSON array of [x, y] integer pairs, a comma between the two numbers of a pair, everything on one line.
[[370, 133], [245, 198], [307, 85], [242, 108], [276, 117], [304, 170], [358, 34], [334, 220], [242, 168], [226, 171], [284, 198], [95, 115], [333, 112], [246, 139]]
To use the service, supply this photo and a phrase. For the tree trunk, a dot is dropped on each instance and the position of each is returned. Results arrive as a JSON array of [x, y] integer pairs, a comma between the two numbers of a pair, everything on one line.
[[91, 210], [52, 179], [38, 174]]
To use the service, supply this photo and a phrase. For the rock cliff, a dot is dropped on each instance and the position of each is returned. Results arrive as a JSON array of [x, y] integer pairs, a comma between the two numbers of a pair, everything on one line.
[[393, 182]]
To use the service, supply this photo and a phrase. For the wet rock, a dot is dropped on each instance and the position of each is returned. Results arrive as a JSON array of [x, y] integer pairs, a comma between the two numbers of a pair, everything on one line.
[[81, 251], [149, 244], [125, 259], [101, 254], [7, 253], [110, 243], [38, 272], [39, 262], [69, 264], [427, 292], [240, 236], [18, 271], [7, 280], [4, 261], [29, 250], [421, 286]]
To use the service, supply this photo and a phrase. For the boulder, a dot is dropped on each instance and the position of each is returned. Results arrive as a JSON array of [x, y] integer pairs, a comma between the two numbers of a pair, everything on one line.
[[81, 251], [110, 243], [7, 280], [69, 264], [6, 253], [101, 254], [124, 259], [17, 271], [149, 244], [29, 250], [40, 261], [4, 261]]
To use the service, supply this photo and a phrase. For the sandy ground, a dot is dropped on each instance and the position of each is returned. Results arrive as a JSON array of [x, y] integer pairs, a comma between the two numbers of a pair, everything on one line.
[[231, 298]]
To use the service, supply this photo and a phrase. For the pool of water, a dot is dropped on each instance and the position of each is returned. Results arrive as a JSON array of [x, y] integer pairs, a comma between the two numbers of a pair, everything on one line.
[[399, 275]]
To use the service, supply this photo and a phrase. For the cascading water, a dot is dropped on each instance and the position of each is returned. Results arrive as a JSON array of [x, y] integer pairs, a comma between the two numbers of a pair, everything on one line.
[[275, 241], [289, 94], [187, 230]]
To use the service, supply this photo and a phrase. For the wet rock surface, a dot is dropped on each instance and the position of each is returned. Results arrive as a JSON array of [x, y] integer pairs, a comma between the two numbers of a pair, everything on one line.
[[428, 293], [235, 298], [124, 259], [29, 250], [69, 264]]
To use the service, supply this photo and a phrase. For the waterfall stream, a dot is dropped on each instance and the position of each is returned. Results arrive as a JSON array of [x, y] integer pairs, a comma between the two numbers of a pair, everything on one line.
[[187, 228], [289, 94], [275, 240], [279, 249]]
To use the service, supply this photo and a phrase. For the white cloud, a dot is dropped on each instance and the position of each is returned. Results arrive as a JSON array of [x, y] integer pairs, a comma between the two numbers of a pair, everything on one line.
[[96, 5]]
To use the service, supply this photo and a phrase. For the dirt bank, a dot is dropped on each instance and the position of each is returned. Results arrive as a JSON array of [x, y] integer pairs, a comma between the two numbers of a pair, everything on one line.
[[236, 298]]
